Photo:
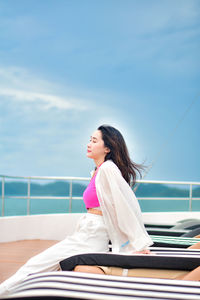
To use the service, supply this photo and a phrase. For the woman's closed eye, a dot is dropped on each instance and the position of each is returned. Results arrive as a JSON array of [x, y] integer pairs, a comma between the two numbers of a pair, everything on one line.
[[93, 140]]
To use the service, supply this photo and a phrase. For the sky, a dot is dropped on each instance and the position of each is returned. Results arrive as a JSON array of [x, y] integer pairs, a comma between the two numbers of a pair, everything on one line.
[[67, 67]]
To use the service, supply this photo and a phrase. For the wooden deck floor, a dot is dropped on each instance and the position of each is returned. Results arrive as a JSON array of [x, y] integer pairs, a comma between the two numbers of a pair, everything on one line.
[[14, 254]]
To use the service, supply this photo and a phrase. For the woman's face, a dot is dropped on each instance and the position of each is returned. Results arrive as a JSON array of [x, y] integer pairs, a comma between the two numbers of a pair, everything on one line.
[[96, 148]]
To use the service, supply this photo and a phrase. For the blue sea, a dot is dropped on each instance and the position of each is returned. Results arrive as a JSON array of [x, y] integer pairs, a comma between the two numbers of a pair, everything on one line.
[[16, 207], [16, 193]]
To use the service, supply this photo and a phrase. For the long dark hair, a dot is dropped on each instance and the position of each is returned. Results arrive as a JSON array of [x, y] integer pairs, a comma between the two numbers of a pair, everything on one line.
[[119, 154]]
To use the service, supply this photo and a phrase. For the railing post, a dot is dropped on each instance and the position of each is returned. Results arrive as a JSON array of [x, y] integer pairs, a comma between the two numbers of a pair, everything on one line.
[[3, 196], [70, 196], [28, 196], [190, 200]]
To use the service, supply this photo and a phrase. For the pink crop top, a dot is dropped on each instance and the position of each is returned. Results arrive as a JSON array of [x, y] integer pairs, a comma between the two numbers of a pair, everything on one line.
[[90, 195]]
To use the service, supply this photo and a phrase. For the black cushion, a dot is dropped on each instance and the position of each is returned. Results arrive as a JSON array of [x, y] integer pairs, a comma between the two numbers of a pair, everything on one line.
[[170, 245], [131, 261]]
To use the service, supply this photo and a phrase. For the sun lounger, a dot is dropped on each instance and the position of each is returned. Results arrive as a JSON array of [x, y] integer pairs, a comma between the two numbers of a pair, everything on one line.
[[72, 285]]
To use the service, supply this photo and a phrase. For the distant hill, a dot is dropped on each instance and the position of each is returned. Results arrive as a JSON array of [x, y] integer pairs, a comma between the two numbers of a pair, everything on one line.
[[58, 188], [61, 188], [159, 190]]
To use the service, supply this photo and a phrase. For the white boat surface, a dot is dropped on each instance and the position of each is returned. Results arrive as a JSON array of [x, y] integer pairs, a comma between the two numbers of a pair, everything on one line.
[[21, 237]]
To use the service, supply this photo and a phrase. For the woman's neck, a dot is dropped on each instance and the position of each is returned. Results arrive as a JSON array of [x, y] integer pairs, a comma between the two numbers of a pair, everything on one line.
[[98, 163]]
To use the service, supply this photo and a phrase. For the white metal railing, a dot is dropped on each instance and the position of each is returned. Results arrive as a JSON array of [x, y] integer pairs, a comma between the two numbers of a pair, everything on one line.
[[70, 197]]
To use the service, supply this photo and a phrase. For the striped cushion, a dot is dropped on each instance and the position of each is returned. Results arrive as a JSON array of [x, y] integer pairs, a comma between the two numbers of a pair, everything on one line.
[[72, 285]]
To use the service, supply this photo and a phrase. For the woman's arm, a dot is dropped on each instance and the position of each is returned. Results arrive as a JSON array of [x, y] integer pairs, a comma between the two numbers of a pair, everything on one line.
[[121, 210]]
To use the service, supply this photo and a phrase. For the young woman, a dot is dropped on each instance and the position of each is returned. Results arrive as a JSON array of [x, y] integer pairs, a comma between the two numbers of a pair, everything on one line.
[[113, 212]]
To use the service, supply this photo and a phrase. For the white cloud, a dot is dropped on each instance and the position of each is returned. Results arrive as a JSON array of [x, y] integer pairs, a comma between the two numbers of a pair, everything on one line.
[[45, 101], [13, 86]]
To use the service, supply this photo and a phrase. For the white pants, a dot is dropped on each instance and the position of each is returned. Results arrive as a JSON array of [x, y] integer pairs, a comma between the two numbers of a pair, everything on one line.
[[90, 236]]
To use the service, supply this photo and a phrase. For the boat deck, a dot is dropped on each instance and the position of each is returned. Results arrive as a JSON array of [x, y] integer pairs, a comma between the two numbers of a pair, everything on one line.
[[14, 254]]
